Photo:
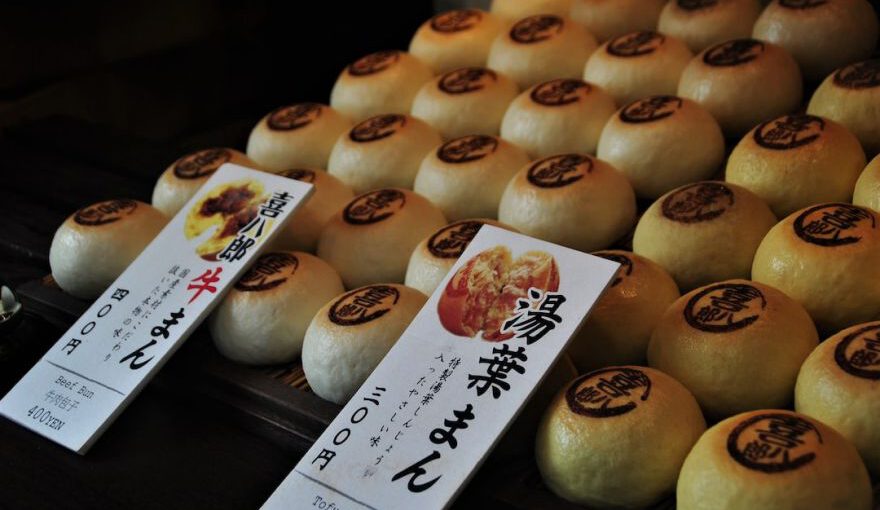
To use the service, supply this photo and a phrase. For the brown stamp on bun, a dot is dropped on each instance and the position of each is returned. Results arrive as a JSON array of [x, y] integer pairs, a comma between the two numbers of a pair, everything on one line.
[[299, 174], [774, 442], [374, 63], [377, 128], [201, 164], [536, 29], [608, 392], [458, 20], [268, 272], [105, 212], [363, 305], [467, 148]]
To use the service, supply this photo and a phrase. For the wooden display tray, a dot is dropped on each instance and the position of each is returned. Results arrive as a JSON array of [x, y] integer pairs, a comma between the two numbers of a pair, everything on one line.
[[277, 403]]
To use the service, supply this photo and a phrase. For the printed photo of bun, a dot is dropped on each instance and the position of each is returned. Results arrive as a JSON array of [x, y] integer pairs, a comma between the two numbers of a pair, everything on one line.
[[223, 211], [483, 293]]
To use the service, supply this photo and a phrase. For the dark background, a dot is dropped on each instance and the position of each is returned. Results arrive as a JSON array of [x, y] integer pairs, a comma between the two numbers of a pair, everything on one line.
[[97, 98]]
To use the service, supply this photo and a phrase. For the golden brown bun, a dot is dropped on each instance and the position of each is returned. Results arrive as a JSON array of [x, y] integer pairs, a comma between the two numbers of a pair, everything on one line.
[[737, 345], [558, 116], [371, 239], [97, 243], [704, 232], [820, 35], [616, 437], [731, 81], [867, 192], [351, 334], [435, 255], [661, 143], [465, 101], [572, 199], [465, 177], [454, 39], [263, 319], [606, 19], [797, 160], [827, 257], [379, 83], [638, 64], [704, 23], [513, 10], [541, 48], [183, 178], [382, 151], [773, 460], [851, 96], [299, 135], [519, 440], [839, 384], [619, 326], [330, 195]]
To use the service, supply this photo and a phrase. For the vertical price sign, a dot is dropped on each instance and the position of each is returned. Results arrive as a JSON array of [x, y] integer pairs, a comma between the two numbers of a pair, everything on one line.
[[104, 360], [427, 417]]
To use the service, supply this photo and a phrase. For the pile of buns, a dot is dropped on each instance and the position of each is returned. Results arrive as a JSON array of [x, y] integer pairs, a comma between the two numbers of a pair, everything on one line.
[[678, 138]]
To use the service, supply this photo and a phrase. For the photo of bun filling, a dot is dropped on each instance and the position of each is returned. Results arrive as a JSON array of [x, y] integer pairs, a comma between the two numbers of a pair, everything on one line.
[[483, 293], [223, 211]]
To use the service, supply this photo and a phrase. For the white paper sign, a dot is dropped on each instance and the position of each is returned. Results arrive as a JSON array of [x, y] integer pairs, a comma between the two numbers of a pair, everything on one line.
[[426, 418], [101, 363]]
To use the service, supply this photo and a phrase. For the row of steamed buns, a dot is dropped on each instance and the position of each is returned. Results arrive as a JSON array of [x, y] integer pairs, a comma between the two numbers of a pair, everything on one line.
[[572, 199], [697, 237]]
